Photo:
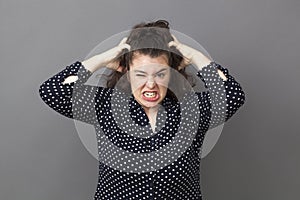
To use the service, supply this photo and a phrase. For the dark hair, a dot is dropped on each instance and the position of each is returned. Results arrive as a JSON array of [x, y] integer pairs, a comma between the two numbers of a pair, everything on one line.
[[148, 39]]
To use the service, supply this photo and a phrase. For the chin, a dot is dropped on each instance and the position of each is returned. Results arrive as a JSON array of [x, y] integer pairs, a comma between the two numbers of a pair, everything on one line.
[[150, 105]]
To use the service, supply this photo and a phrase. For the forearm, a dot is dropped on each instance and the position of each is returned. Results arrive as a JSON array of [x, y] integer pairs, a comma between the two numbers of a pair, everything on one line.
[[94, 63], [223, 98], [73, 100], [91, 64], [200, 60], [194, 56], [106, 58]]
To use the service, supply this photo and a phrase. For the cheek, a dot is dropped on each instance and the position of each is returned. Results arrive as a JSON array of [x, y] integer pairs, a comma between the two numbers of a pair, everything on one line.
[[164, 83], [136, 85], [164, 90]]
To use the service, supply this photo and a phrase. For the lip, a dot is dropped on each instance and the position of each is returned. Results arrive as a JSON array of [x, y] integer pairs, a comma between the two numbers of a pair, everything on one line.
[[150, 99], [150, 91]]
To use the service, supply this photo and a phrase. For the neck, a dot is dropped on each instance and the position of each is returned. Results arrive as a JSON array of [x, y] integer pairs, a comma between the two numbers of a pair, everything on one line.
[[151, 110]]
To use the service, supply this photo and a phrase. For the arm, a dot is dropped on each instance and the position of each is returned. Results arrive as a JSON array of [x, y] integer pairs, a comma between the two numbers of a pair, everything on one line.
[[66, 93], [224, 95], [71, 98], [223, 98]]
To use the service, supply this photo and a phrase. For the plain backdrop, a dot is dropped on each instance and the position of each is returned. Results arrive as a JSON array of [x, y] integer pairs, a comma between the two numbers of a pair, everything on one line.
[[258, 154]]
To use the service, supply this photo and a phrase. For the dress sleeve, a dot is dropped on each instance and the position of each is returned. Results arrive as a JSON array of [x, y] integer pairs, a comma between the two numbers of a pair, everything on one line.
[[74, 100], [221, 99]]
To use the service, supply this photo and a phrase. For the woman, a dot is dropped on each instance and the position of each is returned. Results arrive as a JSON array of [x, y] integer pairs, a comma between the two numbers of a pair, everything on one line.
[[144, 113]]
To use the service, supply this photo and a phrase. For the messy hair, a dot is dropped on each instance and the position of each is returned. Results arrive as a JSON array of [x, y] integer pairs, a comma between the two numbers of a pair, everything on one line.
[[149, 39]]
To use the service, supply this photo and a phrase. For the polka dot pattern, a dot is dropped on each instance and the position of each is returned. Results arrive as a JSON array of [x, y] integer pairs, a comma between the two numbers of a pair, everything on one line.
[[92, 104]]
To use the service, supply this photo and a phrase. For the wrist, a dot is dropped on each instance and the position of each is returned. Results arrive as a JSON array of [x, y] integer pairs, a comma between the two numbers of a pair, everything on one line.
[[200, 60]]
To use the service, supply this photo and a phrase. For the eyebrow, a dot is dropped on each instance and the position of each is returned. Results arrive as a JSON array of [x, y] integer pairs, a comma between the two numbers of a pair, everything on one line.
[[146, 73]]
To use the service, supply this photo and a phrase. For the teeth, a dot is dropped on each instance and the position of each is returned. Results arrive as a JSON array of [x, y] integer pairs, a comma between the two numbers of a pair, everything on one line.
[[150, 94]]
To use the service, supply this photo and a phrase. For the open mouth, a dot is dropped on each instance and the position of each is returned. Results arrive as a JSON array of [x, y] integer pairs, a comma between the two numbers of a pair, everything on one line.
[[150, 95]]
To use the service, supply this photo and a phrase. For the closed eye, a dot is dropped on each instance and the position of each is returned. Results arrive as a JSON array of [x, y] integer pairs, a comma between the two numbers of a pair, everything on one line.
[[140, 75]]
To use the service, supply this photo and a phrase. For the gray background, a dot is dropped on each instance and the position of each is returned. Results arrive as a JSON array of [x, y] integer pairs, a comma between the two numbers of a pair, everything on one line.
[[257, 155]]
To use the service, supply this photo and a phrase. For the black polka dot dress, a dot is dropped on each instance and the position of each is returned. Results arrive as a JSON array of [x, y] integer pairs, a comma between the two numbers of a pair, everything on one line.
[[135, 161]]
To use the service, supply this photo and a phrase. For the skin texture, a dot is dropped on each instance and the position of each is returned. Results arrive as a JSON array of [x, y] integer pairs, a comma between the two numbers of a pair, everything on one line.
[[149, 74]]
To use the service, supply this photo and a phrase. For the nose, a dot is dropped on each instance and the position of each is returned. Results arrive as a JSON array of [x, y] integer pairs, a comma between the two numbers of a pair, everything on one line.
[[150, 82]]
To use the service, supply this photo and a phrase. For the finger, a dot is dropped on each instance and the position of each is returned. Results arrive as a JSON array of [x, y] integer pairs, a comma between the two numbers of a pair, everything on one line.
[[119, 69], [183, 64], [175, 39], [126, 46], [123, 41], [173, 43]]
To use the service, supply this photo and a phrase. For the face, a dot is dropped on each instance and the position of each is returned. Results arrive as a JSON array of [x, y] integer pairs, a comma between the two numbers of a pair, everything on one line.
[[149, 78]]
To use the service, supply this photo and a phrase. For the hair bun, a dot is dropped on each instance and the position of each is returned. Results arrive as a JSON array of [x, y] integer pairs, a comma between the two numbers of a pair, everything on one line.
[[159, 23]]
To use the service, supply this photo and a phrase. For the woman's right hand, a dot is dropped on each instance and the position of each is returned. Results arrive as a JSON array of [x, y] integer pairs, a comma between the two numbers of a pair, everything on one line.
[[107, 58]]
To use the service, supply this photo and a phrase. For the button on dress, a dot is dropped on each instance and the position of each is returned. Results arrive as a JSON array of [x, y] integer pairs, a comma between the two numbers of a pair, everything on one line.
[[135, 162]]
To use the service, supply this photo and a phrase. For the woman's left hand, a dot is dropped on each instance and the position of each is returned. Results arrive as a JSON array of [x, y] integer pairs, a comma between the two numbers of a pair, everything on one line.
[[190, 55]]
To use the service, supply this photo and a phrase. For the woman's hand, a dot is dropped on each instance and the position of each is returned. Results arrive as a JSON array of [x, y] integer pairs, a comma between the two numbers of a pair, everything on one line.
[[110, 56], [107, 58], [190, 55]]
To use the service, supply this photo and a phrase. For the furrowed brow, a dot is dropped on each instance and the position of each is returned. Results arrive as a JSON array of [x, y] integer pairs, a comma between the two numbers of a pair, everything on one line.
[[161, 70], [139, 71]]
